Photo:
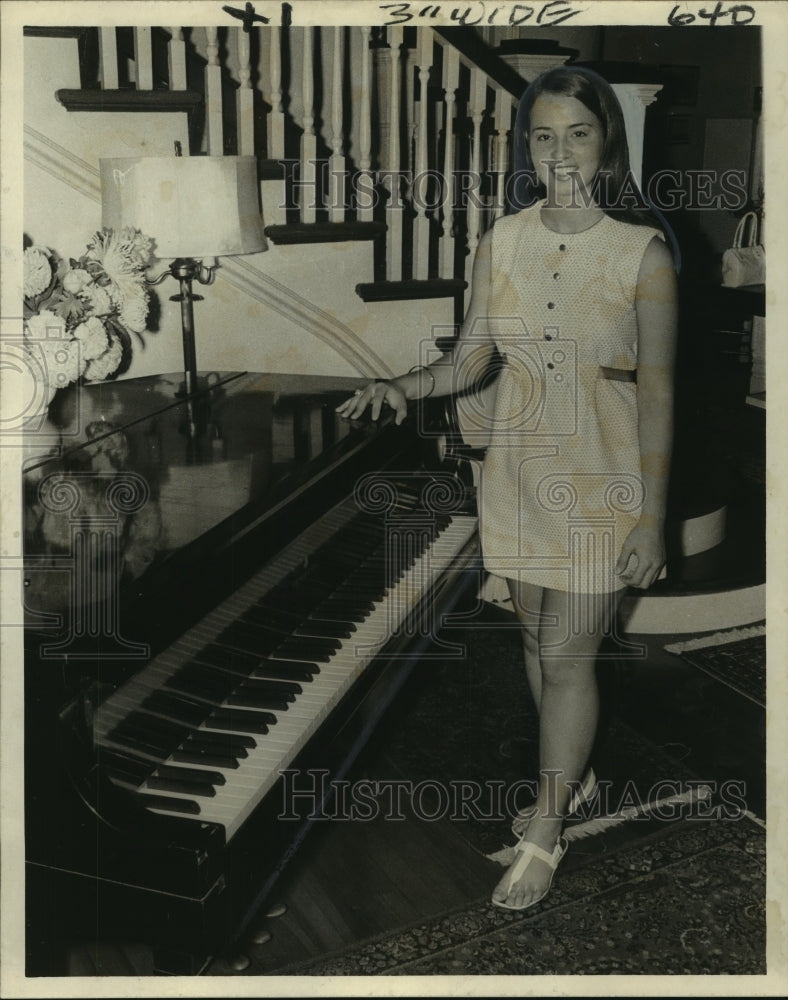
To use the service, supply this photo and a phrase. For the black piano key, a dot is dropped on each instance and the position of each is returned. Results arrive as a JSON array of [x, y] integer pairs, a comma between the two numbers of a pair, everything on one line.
[[310, 625], [250, 699], [181, 785], [249, 639], [229, 659], [181, 709], [207, 757], [140, 744], [126, 766], [239, 721], [300, 649], [345, 609], [140, 721], [236, 743], [188, 806], [203, 681], [191, 774], [252, 645], [286, 689], [286, 670]]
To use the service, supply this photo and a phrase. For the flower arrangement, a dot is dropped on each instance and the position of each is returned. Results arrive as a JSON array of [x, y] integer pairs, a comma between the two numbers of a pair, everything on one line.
[[79, 314]]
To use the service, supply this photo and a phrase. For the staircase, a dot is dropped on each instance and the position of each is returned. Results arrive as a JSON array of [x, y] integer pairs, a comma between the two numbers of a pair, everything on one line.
[[355, 130]]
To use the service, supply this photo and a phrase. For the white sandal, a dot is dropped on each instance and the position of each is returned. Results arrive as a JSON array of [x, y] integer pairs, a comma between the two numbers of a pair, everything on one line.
[[527, 852], [584, 795]]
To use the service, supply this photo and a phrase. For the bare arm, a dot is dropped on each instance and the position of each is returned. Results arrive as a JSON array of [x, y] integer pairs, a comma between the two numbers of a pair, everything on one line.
[[643, 552], [452, 372]]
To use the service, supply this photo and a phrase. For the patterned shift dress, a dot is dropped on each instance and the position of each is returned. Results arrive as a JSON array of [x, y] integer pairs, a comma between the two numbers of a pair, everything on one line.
[[560, 487]]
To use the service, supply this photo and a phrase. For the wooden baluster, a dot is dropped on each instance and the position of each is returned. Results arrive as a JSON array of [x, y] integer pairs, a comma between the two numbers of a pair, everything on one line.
[[451, 81], [143, 59], [410, 108], [213, 94], [176, 59], [476, 106], [364, 180], [244, 97], [421, 225], [308, 188], [337, 164], [394, 204], [276, 119], [108, 58], [500, 151]]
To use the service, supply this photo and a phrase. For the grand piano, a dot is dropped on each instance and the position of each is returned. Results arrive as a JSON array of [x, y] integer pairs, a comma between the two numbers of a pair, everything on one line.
[[218, 589]]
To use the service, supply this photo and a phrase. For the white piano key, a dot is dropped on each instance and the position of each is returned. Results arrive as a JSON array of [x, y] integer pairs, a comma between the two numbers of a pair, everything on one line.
[[247, 785]]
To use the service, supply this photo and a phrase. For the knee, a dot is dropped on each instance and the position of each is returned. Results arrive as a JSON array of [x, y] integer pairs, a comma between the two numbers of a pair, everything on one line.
[[530, 637], [569, 671]]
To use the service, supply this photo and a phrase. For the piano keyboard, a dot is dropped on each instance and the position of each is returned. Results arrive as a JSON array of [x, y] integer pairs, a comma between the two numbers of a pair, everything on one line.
[[206, 728]]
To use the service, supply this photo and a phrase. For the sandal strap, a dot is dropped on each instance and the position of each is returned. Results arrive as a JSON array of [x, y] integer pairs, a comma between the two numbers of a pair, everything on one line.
[[528, 850]]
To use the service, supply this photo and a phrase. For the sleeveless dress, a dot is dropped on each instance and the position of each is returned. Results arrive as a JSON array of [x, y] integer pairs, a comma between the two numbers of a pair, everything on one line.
[[560, 488]]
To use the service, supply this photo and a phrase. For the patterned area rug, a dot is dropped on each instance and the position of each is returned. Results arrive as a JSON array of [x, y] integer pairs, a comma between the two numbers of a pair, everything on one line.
[[686, 901], [736, 658], [471, 723]]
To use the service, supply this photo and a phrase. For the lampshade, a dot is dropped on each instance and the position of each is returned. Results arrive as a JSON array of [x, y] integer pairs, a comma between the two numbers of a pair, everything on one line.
[[192, 206]]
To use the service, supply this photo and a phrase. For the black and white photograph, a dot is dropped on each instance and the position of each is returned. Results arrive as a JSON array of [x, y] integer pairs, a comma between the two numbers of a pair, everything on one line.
[[388, 496]]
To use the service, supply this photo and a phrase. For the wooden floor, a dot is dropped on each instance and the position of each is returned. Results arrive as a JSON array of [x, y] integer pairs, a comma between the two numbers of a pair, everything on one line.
[[355, 880]]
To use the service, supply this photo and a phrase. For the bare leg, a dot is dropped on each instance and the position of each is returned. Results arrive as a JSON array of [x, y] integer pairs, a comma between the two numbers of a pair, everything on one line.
[[568, 718], [527, 601]]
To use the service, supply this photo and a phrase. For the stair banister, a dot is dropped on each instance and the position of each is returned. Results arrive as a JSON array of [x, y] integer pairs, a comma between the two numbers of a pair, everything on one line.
[[308, 137], [366, 209], [213, 94], [394, 234], [143, 59], [451, 83], [108, 58], [245, 97], [176, 59], [276, 117], [337, 162], [421, 225]]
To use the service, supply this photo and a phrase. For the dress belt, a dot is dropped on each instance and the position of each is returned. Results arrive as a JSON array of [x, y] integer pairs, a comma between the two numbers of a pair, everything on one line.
[[618, 374]]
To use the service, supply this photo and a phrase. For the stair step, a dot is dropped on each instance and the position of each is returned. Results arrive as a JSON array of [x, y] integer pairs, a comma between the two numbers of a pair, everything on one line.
[[394, 291], [324, 232], [129, 100]]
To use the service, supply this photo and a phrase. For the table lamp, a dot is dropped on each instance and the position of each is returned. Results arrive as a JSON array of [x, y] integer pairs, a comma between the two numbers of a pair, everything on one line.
[[194, 207]]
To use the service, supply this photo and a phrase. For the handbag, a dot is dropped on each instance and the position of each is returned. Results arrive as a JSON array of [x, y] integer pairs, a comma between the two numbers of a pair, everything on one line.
[[745, 262]]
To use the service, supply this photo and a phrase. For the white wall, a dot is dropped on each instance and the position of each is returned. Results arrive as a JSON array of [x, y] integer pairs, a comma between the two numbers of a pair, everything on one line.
[[290, 309]]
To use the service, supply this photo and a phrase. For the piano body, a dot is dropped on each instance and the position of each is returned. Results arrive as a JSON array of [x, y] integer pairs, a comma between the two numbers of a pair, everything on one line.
[[216, 589]]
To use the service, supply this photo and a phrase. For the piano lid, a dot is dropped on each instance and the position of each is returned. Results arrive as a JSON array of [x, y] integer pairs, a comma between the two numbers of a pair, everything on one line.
[[135, 459]]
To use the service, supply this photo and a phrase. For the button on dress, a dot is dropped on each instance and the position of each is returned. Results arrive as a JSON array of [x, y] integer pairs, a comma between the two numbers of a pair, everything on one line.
[[560, 487]]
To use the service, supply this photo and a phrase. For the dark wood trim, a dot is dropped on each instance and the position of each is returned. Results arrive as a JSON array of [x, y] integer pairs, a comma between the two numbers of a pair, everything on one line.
[[39, 31], [324, 232], [394, 291], [129, 100]]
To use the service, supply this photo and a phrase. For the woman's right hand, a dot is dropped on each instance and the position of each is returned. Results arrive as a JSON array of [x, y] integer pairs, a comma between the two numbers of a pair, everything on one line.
[[375, 395]]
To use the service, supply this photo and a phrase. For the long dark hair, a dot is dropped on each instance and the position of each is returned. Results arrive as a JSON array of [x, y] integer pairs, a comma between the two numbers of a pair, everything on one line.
[[614, 177]]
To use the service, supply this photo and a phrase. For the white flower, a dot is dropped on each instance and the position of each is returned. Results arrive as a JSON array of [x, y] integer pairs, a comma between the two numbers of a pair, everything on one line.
[[92, 337], [38, 271], [45, 326], [75, 280], [103, 367], [63, 361], [99, 301], [134, 314]]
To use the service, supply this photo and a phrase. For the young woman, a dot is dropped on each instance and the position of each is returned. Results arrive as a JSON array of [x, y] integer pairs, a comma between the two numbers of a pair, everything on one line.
[[577, 294]]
